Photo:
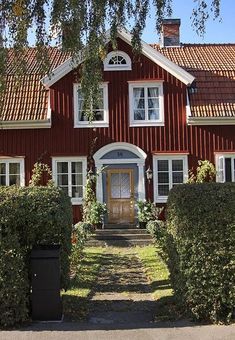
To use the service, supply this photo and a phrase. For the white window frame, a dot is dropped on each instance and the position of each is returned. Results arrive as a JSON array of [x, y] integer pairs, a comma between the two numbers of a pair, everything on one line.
[[220, 166], [121, 67], [138, 84], [170, 158], [87, 124], [55, 160], [19, 160]]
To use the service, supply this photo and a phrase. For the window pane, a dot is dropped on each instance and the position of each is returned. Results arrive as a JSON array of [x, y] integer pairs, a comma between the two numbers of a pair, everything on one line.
[[62, 167], [77, 179], [115, 192], [66, 190], [153, 114], [2, 180], [163, 190], [228, 170], [153, 103], [163, 177], [162, 165], [153, 92], [62, 180], [14, 179], [138, 92], [99, 115], [138, 104], [77, 192], [2, 168], [177, 165], [139, 114], [14, 168], [115, 179], [76, 167], [177, 177], [125, 186]]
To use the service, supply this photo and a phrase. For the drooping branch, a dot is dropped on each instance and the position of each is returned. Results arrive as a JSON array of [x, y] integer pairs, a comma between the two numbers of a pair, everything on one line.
[[82, 23]]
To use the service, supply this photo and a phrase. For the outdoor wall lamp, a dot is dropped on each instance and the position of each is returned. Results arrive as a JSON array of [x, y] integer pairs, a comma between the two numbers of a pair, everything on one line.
[[149, 174]]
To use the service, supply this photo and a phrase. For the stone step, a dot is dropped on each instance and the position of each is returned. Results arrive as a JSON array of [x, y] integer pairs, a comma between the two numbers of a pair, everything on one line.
[[120, 231], [118, 243], [128, 236], [119, 226]]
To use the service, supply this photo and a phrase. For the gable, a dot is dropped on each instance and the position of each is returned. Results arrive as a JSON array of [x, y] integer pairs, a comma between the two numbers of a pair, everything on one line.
[[149, 52]]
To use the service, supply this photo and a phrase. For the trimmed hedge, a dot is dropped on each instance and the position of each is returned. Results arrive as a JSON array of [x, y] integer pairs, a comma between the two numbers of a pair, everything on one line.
[[201, 224], [29, 216]]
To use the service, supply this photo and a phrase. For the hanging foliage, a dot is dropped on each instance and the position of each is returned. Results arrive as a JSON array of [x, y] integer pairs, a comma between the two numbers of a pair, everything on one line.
[[79, 24]]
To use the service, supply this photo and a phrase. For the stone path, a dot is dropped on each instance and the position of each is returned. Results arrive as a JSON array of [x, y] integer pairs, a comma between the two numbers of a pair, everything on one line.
[[122, 293]]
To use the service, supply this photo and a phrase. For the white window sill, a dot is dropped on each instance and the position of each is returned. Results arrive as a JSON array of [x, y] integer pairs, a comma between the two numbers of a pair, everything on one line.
[[146, 123], [75, 201], [91, 125], [162, 199]]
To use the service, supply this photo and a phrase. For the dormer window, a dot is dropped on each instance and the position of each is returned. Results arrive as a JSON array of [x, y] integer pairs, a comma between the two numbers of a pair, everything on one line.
[[117, 61]]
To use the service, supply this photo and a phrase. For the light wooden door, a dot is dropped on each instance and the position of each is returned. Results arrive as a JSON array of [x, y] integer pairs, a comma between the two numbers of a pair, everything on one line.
[[120, 190]]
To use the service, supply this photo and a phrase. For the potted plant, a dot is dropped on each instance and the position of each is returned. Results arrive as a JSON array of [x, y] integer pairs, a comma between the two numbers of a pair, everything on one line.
[[145, 212]]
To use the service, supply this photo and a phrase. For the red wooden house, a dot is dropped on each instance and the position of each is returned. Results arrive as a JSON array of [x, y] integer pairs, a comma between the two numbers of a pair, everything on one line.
[[165, 110]]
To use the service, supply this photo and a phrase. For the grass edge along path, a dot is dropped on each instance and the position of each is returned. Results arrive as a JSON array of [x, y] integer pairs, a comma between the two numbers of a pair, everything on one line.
[[76, 298], [159, 277]]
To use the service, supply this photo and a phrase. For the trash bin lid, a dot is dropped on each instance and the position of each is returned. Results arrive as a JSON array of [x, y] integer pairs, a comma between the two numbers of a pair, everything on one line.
[[46, 251]]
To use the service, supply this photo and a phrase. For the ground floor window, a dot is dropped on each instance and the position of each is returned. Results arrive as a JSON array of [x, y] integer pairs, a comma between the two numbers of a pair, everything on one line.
[[168, 171], [12, 171], [70, 175], [225, 167]]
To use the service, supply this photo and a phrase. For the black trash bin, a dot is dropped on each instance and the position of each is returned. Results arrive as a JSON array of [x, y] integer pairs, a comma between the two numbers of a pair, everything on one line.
[[45, 283]]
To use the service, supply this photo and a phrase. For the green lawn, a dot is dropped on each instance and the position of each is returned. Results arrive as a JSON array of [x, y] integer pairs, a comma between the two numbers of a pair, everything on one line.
[[75, 300], [158, 276]]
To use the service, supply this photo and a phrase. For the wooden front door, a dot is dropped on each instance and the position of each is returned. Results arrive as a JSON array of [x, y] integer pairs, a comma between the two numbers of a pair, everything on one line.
[[120, 190]]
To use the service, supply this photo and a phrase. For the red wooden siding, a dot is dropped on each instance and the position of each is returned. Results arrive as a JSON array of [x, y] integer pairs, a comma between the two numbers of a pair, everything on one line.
[[64, 140]]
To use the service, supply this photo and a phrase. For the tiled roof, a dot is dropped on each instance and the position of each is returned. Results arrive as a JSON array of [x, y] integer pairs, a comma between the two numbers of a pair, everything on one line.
[[213, 66], [25, 97]]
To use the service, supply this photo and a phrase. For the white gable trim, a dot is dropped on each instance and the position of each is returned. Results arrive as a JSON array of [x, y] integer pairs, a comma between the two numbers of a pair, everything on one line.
[[147, 50]]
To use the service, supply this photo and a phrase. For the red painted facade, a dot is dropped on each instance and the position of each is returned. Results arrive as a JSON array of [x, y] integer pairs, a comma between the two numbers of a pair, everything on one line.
[[62, 139]]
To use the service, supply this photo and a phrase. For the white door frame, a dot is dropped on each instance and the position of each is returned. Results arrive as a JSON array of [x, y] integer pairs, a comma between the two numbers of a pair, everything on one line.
[[139, 160]]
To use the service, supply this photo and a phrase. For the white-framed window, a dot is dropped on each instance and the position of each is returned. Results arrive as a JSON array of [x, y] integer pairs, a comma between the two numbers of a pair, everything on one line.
[[146, 104], [101, 118], [69, 173], [168, 171], [117, 61], [225, 167], [12, 171]]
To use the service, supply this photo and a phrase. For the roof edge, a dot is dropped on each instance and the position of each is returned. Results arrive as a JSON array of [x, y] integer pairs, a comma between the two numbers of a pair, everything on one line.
[[211, 121], [125, 35], [25, 124]]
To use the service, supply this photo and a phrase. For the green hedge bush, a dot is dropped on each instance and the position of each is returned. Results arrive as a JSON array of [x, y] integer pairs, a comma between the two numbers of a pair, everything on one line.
[[33, 216], [201, 222]]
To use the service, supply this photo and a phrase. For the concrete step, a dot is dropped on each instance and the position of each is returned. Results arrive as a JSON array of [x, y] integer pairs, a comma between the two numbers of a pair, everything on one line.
[[120, 231], [121, 236], [119, 226], [118, 243]]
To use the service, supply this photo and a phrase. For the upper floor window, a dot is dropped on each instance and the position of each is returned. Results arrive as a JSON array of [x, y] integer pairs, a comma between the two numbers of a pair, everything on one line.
[[70, 174], [168, 171], [12, 171], [225, 167], [117, 61], [100, 110], [146, 103]]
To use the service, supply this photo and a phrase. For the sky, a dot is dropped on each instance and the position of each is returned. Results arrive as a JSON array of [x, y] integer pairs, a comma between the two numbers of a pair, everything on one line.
[[216, 31]]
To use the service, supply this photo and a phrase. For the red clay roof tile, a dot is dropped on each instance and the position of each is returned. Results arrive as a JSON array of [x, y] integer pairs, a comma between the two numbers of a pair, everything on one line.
[[213, 66]]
